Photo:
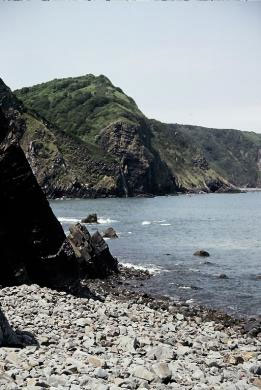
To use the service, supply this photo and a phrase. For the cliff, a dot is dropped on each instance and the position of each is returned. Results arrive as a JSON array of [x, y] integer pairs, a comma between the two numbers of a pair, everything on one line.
[[34, 248], [87, 138]]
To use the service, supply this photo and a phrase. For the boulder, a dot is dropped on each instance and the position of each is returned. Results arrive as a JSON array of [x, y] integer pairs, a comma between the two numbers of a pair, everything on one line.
[[92, 252], [92, 218], [11, 338], [33, 245], [201, 253], [110, 233]]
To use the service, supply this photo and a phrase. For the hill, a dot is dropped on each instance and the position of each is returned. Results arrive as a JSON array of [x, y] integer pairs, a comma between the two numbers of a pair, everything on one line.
[[86, 137]]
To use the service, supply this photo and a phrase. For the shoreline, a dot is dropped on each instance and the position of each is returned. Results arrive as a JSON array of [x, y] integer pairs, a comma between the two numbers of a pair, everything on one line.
[[120, 338]]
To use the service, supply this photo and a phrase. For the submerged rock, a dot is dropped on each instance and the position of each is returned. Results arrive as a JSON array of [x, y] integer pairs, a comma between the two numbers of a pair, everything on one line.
[[201, 253], [92, 218]]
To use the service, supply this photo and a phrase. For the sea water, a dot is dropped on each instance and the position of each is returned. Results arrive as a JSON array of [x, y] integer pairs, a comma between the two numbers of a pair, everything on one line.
[[162, 233]]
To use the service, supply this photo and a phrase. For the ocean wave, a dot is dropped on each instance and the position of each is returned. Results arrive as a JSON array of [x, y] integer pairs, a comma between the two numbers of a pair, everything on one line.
[[106, 220], [165, 224], [68, 220], [146, 223], [163, 220], [151, 268]]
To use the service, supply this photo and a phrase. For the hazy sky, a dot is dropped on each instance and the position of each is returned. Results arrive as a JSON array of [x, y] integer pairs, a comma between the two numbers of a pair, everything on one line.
[[185, 62]]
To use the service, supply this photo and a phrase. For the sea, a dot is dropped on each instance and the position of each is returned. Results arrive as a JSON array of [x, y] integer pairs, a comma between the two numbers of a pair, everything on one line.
[[161, 234]]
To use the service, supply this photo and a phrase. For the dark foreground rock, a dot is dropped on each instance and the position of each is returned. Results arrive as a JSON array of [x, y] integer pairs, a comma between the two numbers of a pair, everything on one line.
[[92, 252], [33, 246], [11, 338], [32, 242]]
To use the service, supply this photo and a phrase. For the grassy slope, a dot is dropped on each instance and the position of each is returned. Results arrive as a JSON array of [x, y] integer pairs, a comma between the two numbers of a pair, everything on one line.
[[83, 106]]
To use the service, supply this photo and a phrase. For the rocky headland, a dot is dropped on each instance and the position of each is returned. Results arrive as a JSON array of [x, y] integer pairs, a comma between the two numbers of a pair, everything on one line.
[[87, 138], [71, 318]]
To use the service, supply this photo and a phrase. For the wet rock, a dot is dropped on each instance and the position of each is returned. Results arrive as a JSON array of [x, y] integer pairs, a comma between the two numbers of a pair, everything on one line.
[[110, 233], [91, 218], [201, 253], [222, 276], [253, 327]]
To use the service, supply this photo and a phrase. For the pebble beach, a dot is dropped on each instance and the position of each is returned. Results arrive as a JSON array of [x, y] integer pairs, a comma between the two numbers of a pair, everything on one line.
[[120, 339]]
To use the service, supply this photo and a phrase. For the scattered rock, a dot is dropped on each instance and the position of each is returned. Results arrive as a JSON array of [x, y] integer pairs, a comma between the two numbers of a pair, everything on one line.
[[92, 218], [110, 233], [162, 371], [201, 253], [222, 276], [143, 373]]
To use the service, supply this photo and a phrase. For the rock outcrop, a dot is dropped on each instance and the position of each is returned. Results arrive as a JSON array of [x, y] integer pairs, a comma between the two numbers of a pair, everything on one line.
[[92, 252], [33, 244], [98, 143], [11, 338]]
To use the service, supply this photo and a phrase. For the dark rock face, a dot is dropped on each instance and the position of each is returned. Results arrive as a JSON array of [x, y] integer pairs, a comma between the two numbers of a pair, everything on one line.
[[11, 338], [141, 168], [92, 252], [32, 242]]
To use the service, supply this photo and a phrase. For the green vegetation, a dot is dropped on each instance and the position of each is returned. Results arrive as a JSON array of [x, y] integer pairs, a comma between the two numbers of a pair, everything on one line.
[[146, 151], [81, 106]]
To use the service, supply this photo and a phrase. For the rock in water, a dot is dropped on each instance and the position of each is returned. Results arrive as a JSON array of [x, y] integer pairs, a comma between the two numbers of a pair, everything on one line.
[[33, 244], [110, 233], [92, 252], [92, 218], [201, 253]]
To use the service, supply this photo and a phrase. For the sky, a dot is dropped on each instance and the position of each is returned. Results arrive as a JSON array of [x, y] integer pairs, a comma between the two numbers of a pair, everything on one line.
[[182, 62]]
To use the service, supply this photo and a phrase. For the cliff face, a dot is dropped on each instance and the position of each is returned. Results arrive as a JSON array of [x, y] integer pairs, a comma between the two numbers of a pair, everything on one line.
[[100, 144], [31, 238], [33, 245]]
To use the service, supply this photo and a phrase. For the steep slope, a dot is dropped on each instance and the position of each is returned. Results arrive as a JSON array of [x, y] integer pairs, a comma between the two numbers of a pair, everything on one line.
[[65, 165], [93, 158], [197, 154], [33, 244], [124, 153]]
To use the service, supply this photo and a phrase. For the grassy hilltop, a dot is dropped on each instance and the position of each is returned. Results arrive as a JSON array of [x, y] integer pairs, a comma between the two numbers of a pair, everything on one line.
[[109, 147]]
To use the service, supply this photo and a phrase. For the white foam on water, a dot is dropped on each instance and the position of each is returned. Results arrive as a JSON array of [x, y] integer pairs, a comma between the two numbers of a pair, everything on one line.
[[165, 224], [194, 269], [185, 287], [68, 220], [129, 232], [146, 223], [106, 220], [151, 268], [163, 220]]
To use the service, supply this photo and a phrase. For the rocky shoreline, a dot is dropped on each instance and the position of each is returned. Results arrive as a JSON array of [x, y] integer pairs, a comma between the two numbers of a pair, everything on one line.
[[120, 338]]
